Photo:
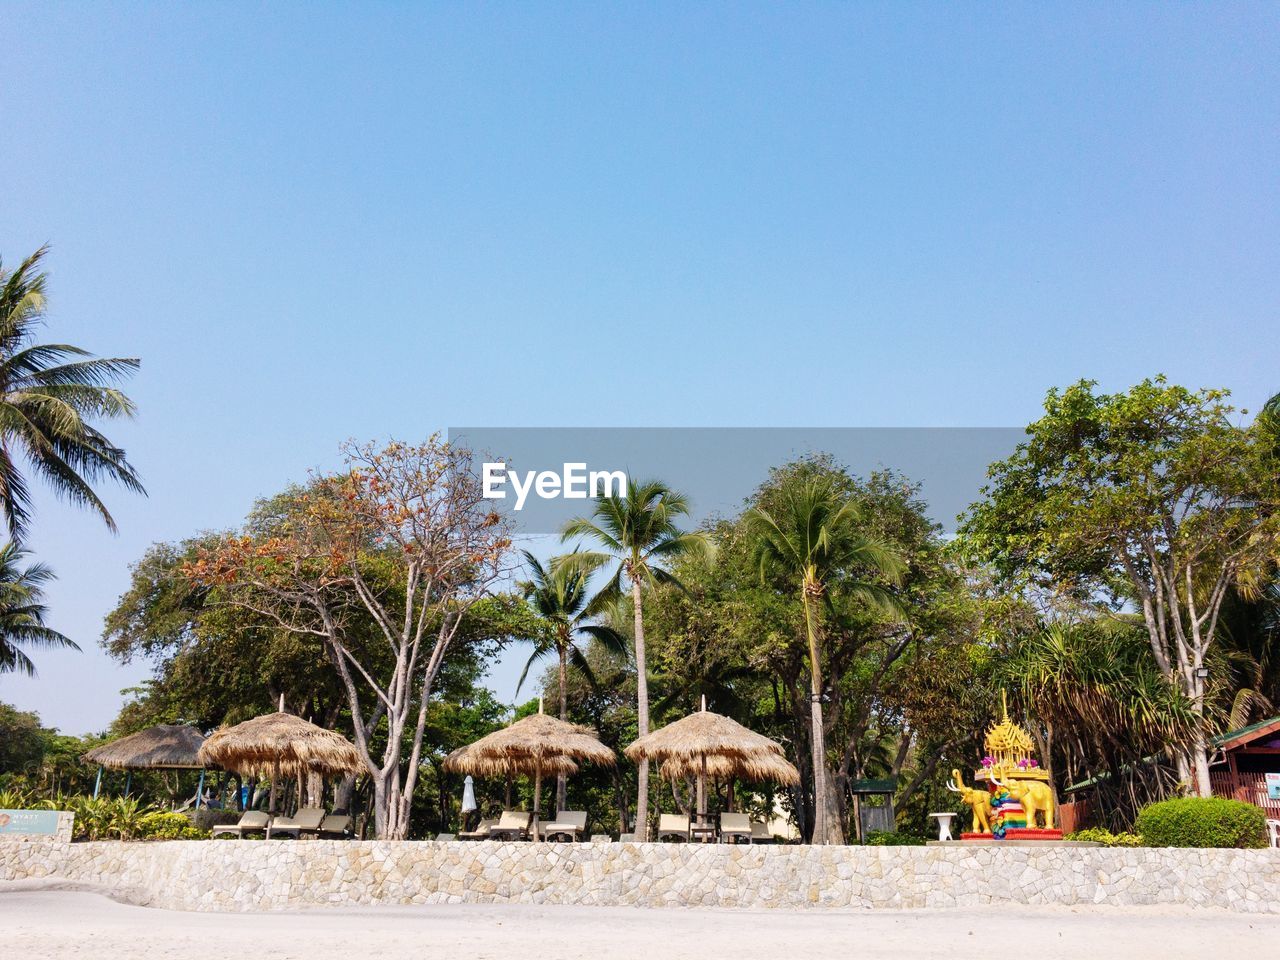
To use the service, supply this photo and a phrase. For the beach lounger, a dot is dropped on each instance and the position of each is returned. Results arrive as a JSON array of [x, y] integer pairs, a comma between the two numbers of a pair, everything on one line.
[[568, 825], [673, 825], [307, 820], [446, 836], [735, 827], [251, 821], [481, 832], [512, 825], [760, 832], [336, 826]]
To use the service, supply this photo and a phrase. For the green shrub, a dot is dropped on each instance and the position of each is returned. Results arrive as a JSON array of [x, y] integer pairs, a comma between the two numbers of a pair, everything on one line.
[[169, 826], [884, 838], [1106, 837], [16, 799], [1202, 822]]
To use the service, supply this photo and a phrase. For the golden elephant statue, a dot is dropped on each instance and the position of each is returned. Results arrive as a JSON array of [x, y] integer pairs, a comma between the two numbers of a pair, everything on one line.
[[978, 800], [1035, 797]]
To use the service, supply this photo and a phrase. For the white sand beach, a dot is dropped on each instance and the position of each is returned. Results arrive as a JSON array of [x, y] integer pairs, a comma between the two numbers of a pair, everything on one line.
[[48, 923]]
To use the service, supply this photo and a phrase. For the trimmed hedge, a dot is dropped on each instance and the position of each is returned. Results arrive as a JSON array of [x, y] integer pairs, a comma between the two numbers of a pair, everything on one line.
[[1106, 837], [1202, 822], [883, 838]]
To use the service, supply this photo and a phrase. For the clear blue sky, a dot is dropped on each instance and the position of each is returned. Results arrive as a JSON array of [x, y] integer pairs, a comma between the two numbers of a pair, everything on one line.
[[319, 221]]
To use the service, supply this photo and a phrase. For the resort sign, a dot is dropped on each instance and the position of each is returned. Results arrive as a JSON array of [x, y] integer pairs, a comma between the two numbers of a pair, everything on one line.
[[29, 822]]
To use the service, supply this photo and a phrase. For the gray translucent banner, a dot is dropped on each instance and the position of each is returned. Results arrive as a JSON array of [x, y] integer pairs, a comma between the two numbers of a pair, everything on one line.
[[717, 468]]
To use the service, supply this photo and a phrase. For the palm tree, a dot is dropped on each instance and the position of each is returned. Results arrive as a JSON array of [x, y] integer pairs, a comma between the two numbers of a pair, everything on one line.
[[812, 538], [49, 395], [639, 532], [22, 612], [558, 594]]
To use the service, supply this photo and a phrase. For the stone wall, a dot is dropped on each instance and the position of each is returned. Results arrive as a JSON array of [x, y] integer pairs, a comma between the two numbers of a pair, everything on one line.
[[270, 875]]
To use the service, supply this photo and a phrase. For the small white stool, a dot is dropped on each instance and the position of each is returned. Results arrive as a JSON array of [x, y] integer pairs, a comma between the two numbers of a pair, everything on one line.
[[944, 824]]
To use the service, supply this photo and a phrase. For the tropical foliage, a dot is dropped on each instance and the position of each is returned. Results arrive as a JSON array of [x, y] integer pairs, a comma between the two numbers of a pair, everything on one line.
[[638, 532], [22, 612], [52, 395]]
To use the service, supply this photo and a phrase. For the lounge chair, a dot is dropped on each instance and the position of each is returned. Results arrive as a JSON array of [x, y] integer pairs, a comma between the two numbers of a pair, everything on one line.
[[735, 827], [512, 825], [307, 820], [479, 833], [568, 825], [446, 836], [1273, 829], [336, 826], [760, 832], [673, 825], [251, 821]]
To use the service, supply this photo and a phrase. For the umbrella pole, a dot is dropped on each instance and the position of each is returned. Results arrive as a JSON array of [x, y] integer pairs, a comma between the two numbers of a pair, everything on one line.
[[702, 795], [271, 799], [537, 797]]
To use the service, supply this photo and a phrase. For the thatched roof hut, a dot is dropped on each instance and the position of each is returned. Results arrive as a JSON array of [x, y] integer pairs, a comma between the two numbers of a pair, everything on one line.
[[537, 738], [281, 742], [164, 747], [537, 745], [699, 735], [467, 761], [761, 768], [703, 743]]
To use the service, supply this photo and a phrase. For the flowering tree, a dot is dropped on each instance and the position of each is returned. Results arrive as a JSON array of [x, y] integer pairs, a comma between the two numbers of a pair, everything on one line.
[[403, 537]]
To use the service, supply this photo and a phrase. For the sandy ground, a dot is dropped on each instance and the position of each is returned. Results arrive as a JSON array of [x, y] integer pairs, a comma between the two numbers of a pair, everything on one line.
[[56, 923]]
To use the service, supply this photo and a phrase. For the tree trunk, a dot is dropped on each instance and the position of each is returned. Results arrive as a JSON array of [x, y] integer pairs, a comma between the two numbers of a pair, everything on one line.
[[642, 714], [824, 829], [562, 784]]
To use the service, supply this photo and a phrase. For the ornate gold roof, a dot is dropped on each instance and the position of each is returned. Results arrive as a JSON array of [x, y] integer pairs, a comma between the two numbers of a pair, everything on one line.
[[1006, 741]]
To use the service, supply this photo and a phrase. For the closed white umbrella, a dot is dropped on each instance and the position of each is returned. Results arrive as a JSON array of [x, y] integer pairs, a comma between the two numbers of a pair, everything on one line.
[[468, 796]]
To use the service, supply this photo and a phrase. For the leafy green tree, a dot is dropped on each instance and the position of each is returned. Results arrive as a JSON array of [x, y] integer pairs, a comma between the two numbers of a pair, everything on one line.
[[558, 595], [22, 612], [22, 741], [638, 531], [1153, 498], [51, 394], [812, 536]]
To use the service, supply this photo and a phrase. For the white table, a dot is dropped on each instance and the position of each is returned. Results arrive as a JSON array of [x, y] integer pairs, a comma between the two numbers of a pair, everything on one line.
[[944, 824]]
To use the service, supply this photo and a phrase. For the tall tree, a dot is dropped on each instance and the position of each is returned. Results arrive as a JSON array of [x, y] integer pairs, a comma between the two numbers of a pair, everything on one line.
[[811, 536], [22, 612], [558, 595], [1154, 499], [51, 394], [638, 531], [409, 515]]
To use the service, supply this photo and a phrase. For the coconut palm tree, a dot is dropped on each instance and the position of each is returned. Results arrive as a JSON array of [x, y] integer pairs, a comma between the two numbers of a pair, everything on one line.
[[637, 531], [558, 595], [811, 538], [50, 395], [22, 612]]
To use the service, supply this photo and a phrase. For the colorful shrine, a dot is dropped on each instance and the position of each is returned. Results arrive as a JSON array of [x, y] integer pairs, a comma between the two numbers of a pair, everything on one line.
[[1013, 799]]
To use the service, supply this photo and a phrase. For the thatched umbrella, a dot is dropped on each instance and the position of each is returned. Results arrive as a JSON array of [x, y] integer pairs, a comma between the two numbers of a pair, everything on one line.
[[708, 744], [169, 746], [766, 767], [281, 742], [537, 744]]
